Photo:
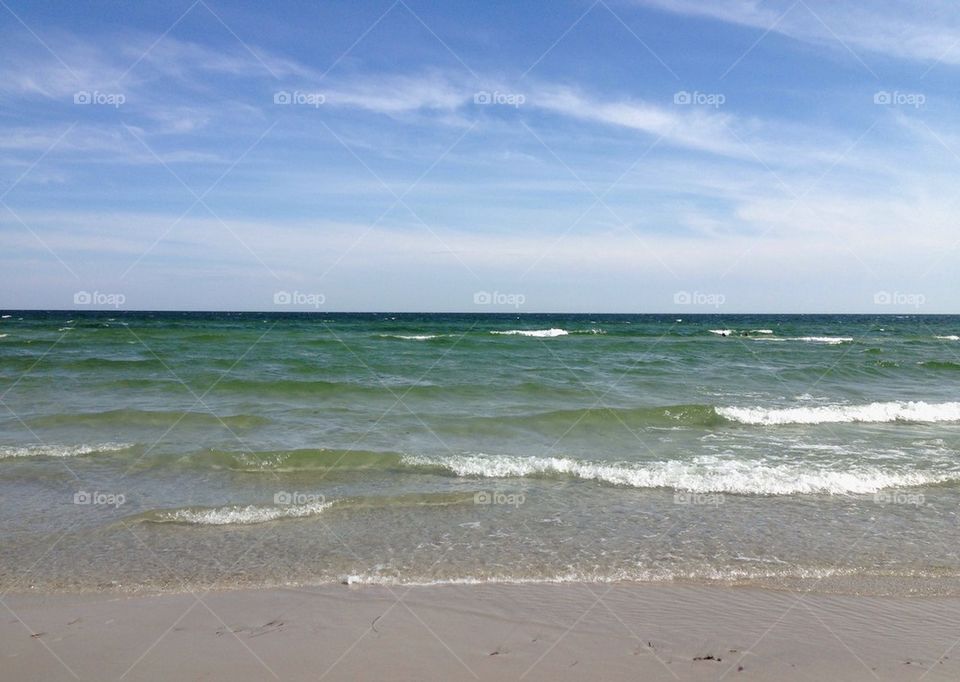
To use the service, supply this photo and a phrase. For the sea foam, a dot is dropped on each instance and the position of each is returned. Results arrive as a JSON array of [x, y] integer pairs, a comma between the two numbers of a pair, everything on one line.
[[707, 474], [835, 414], [44, 450], [241, 515], [533, 332]]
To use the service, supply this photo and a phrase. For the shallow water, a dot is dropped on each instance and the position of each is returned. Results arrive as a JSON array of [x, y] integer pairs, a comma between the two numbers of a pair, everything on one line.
[[165, 450]]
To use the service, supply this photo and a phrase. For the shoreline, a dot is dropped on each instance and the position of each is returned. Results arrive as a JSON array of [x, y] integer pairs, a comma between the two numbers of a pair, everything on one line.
[[491, 631]]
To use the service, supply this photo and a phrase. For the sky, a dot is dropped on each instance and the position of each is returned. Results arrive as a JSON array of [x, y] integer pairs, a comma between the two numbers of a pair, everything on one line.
[[688, 156]]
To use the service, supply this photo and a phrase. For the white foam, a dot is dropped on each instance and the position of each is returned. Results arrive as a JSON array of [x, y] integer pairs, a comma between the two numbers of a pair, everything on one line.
[[410, 337], [949, 337], [533, 332], [722, 575], [761, 331], [722, 332], [4, 316], [3, 335], [830, 340], [705, 474], [43, 450], [240, 515], [835, 414]]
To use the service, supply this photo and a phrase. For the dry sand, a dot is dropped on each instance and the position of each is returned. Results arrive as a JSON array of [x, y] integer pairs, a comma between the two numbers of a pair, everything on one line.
[[488, 632]]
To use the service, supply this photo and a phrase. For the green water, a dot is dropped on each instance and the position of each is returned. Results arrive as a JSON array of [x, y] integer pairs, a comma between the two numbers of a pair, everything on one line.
[[174, 450]]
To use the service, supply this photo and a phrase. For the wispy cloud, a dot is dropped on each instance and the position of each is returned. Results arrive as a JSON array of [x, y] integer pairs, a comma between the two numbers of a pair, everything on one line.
[[884, 27]]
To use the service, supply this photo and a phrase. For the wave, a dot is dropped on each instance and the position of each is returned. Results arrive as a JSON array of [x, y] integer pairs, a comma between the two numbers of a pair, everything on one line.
[[43, 450], [739, 332], [829, 340], [297, 460], [948, 337], [412, 337], [835, 414], [939, 364], [616, 417], [706, 474], [238, 514], [542, 333], [158, 418], [317, 504]]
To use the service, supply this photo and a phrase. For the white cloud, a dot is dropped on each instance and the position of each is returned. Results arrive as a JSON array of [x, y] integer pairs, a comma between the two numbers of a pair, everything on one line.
[[930, 31]]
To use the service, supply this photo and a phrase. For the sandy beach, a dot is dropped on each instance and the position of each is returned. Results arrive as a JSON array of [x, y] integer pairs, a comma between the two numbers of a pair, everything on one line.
[[487, 632]]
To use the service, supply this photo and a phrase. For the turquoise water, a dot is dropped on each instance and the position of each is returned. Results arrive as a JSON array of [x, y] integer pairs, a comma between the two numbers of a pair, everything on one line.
[[175, 450]]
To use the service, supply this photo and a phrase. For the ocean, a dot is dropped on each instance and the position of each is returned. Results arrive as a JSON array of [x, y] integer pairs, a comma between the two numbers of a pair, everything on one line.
[[174, 451]]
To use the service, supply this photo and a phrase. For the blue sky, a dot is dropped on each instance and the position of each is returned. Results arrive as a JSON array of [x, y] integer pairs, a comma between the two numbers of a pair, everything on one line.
[[609, 156]]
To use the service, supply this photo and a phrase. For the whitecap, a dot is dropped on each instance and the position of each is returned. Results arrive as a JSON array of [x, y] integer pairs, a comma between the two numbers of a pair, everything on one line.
[[533, 332], [241, 515], [911, 411], [44, 450], [705, 474]]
